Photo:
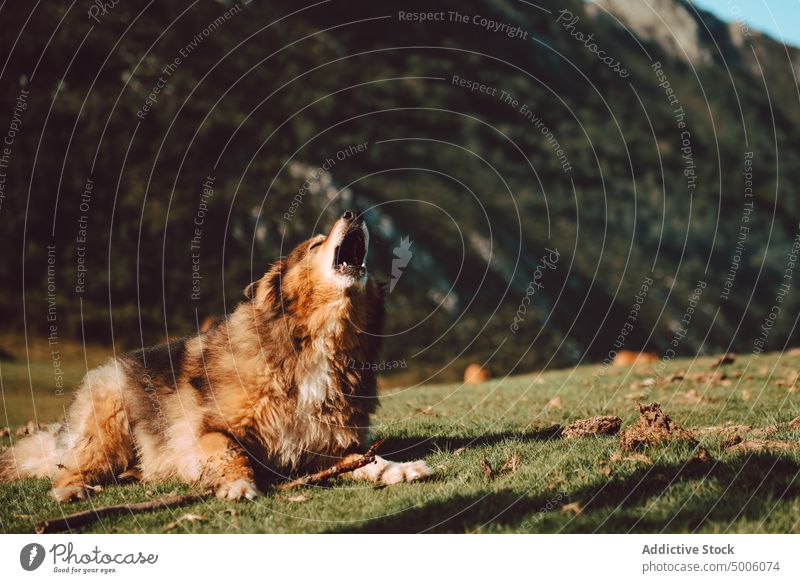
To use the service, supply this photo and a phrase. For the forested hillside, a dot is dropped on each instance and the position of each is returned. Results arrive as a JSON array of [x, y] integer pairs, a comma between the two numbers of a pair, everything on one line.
[[554, 189]]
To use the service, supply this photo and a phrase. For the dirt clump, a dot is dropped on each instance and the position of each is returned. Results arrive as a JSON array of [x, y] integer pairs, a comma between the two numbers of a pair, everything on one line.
[[651, 428], [727, 358], [598, 425], [718, 377], [723, 430]]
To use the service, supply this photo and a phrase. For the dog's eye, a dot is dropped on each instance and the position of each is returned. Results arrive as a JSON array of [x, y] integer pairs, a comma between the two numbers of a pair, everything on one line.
[[317, 244]]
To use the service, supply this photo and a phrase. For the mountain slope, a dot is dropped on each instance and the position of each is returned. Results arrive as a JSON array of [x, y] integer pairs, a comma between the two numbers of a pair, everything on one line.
[[631, 178]]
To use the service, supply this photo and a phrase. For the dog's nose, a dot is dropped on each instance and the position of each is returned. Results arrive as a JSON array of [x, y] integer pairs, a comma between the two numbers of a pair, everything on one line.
[[353, 217]]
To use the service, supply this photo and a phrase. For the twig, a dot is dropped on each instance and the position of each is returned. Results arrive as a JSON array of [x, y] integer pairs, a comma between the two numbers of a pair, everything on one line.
[[89, 516], [348, 464]]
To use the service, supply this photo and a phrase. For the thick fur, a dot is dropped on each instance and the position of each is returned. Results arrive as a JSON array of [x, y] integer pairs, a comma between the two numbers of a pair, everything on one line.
[[277, 387]]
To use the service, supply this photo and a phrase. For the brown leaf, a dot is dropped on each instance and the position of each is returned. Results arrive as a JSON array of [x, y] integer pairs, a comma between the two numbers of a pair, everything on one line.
[[692, 397], [512, 463], [731, 440], [634, 457], [702, 455], [299, 499], [639, 458], [574, 507], [189, 517], [643, 384], [487, 469], [233, 521], [555, 403]]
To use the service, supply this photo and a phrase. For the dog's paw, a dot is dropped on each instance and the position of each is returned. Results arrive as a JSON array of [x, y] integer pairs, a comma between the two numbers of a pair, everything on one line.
[[72, 493], [387, 472], [238, 489], [406, 472]]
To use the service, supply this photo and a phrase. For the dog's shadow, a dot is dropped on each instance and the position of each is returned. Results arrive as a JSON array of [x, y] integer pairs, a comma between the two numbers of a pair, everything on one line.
[[744, 489], [401, 449], [412, 448]]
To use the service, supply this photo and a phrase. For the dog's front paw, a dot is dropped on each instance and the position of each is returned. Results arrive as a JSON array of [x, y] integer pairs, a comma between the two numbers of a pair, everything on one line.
[[387, 472], [71, 493], [406, 472], [238, 489]]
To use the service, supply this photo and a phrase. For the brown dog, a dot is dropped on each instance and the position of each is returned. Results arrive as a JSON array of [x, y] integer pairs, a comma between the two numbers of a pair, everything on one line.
[[276, 387]]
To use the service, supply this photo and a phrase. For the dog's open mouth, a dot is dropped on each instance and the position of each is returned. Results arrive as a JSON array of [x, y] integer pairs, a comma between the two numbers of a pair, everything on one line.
[[350, 254]]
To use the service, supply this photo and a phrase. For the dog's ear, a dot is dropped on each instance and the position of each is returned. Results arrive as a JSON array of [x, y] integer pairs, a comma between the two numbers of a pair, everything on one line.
[[250, 290], [266, 292]]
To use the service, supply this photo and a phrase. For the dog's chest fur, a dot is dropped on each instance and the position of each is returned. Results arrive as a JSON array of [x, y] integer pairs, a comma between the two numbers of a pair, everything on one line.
[[319, 421], [312, 390], [315, 370]]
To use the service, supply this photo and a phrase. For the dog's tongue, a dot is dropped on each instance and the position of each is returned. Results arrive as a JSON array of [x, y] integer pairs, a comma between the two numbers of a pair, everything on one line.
[[343, 266]]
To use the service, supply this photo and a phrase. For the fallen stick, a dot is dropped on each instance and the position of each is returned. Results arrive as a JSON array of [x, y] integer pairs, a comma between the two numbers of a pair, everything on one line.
[[80, 519], [348, 464]]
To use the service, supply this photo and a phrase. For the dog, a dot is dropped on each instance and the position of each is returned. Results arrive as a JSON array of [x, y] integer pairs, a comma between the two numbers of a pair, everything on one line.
[[276, 387]]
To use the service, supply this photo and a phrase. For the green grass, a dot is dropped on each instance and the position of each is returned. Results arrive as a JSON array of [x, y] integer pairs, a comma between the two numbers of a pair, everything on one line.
[[455, 427]]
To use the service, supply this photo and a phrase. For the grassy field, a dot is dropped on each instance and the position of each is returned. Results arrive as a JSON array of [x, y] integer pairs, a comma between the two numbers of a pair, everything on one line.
[[539, 484]]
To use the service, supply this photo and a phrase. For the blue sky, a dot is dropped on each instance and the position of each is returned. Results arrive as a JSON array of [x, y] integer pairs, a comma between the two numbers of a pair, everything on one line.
[[780, 19]]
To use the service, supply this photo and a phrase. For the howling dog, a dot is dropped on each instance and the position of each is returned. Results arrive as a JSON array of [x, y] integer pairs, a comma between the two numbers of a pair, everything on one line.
[[276, 387]]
